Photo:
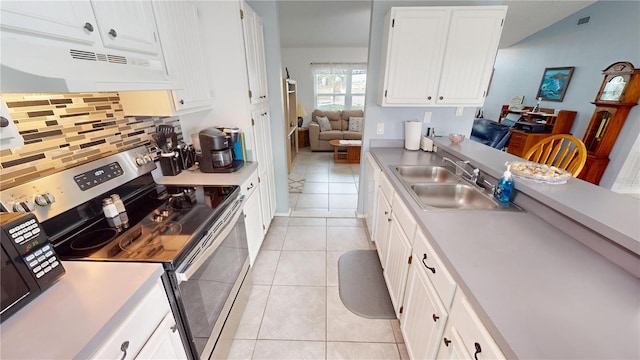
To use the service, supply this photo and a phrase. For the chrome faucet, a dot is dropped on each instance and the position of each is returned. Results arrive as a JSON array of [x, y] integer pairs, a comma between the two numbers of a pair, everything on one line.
[[475, 177]]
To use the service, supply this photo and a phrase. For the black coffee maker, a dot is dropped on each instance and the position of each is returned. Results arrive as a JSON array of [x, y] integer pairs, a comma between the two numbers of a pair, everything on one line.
[[217, 152]]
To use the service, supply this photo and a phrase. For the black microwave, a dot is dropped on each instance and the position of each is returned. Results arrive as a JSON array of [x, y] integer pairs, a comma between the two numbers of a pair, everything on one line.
[[29, 262]]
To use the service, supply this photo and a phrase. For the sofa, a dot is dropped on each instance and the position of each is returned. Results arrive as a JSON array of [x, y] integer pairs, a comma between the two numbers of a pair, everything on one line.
[[490, 133], [339, 122]]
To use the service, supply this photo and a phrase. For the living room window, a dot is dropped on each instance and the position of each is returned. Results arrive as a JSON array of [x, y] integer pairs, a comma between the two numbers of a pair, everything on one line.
[[339, 86]]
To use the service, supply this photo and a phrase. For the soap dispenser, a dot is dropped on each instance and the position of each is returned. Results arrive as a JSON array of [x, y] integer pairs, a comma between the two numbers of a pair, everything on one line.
[[504, 187]]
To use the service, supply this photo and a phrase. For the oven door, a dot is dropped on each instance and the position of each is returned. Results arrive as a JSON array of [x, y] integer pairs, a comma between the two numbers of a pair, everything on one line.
[[211, 279]]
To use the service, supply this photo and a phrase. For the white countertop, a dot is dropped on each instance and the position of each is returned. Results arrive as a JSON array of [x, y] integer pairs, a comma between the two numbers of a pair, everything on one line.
[[73, 317], [197, 177], [541, 293]]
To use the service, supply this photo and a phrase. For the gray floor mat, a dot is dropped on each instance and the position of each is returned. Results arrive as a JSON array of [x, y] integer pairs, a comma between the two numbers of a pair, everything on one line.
[[362, 287]]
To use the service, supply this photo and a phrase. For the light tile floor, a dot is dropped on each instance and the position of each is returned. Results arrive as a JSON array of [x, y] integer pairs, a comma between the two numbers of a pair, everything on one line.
[[330, 190], [294, 310]]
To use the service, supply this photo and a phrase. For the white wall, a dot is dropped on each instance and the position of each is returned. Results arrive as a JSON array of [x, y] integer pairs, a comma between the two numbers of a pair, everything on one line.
[[298, 61], [610, 36]]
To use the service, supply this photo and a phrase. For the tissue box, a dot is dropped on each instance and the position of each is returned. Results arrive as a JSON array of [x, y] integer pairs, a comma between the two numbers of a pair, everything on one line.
[[426, 144]]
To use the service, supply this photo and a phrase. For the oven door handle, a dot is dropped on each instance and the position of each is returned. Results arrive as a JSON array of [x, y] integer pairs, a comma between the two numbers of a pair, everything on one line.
[[199, 255]]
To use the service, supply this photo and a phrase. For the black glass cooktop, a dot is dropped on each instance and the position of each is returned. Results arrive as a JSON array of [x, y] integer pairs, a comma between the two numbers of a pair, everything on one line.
[[164, 223]]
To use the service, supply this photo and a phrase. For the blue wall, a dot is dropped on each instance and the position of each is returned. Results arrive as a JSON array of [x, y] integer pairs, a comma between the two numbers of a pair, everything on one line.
[[612, 35]]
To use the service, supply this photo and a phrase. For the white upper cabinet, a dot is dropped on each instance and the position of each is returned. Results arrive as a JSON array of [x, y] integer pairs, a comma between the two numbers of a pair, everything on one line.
[[63, 20], [127, 25], [439, 56], [254, 50], [183, 55]]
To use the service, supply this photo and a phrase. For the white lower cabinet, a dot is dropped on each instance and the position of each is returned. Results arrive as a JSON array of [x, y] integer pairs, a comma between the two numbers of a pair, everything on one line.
[[395, 273], [372, 173], [382, 217], [465, 336], [148, 332], [253, 218], [424, 316]]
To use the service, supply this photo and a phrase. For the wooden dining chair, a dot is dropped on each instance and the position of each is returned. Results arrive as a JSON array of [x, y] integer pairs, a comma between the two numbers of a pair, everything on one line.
[[563, 151]]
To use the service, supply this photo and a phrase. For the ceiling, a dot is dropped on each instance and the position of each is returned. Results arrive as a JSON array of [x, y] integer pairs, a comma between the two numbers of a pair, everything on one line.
[[345, 23]]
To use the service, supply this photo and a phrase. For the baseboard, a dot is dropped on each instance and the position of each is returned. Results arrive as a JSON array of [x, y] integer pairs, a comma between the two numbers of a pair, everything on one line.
[[287, 214]]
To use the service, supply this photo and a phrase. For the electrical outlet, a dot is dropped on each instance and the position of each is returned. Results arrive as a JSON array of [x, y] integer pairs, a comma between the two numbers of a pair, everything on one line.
[[380, 129], [427, 117], [459, 110]]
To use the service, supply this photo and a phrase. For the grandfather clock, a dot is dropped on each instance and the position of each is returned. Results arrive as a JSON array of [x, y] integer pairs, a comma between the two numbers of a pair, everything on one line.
[[618, 93]]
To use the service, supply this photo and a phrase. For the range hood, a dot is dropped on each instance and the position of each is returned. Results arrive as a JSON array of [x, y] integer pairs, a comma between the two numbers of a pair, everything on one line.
[[27, 67]]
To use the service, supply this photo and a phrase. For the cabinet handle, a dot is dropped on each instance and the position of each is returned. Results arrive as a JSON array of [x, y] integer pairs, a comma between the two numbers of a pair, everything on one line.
[[113, 33], [123, 348], [435, 317], [389, 220], [386, 213], [441, 97], [478, 350], [428, 97], [250, 187], [424, 258], [447, 342], [4, 122], [181, 102], [88, 26], [174, 327]]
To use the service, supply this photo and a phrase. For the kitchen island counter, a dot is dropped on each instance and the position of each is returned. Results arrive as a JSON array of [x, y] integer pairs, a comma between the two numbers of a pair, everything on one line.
[[72, 318], [541, 293]]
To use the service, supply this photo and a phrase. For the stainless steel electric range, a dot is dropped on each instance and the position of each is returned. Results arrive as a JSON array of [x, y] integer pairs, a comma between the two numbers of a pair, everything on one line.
[[196, 232]]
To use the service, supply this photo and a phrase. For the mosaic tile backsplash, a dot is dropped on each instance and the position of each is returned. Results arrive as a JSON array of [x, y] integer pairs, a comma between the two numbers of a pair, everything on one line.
[[61, 131]]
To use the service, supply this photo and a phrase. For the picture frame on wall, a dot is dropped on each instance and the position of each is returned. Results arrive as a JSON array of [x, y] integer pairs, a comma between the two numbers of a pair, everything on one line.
[[554, 83]]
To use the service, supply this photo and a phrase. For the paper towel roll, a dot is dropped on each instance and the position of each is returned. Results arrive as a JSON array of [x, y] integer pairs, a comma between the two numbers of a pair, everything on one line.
[[412, 135]]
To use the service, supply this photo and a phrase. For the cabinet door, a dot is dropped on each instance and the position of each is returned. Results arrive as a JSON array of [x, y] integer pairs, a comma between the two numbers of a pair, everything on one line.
[[182, 50], [424, 315], [253, 224], [395, 274], [372, 171], [472, 45], [452, 346], [165, 343], [254, 52], [127, 25], [264, 155], [131, 335], [415, 47], [382, 219], [62, 20]]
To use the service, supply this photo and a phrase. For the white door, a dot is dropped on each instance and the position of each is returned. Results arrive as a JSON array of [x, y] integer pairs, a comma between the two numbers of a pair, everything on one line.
[[414, 55], [165, 343], [424, 316], [183, 55], [253, 223], [71, 21], [382, 220], [251, 47], [127, 25], [472, 45], [395, 273]]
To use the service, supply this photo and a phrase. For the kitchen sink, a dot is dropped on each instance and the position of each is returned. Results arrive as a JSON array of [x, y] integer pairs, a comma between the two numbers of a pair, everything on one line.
[[426, 173], [453, 196]]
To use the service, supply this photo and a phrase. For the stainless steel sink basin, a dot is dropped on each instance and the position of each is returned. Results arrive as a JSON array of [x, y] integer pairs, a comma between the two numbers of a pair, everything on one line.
[[426, 174], [452, 196]]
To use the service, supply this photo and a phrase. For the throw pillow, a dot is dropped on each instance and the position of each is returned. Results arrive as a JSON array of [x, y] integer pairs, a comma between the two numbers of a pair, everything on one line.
[[355, 124], [324, 123]]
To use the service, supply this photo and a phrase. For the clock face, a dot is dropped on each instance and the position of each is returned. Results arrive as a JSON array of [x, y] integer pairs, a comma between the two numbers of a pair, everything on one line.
[[613, 89]]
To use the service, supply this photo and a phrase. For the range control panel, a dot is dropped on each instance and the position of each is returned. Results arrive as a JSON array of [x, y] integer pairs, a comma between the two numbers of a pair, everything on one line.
[[51, 195]]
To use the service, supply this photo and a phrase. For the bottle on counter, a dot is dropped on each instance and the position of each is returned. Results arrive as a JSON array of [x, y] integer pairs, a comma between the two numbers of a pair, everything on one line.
[[111, 213], [504, 187], [122, 212]]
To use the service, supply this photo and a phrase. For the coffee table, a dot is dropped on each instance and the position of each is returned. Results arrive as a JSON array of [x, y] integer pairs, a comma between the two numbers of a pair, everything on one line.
[[352, 154]]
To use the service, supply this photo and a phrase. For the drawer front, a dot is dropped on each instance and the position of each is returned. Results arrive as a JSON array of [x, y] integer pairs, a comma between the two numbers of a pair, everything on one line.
[[387, 189], [475, 338], [517, 143], [405, 219], [440, 278], [137, 328], [250, 185]]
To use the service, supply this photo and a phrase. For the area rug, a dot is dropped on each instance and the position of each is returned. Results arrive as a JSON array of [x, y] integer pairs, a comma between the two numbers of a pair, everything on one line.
[[296, 183], [362, 287]]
